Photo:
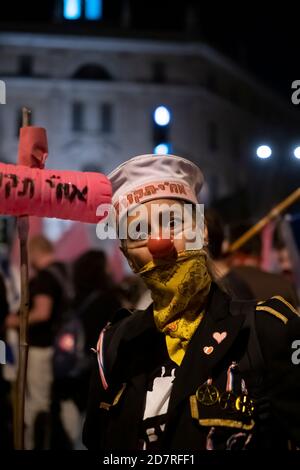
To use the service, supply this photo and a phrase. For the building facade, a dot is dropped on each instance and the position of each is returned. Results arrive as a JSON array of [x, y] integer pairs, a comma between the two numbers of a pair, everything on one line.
[[96, 97]]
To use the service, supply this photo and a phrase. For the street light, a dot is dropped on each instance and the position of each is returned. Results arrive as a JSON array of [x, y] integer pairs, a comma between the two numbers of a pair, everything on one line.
[[162, 149], [72, 9], [297, 152], [162, 116], [264, 151]]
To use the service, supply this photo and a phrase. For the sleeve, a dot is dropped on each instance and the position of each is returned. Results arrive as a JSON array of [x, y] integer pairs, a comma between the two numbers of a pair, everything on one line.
[[278, 329], [45, 284], [95, 425], [93, 435]]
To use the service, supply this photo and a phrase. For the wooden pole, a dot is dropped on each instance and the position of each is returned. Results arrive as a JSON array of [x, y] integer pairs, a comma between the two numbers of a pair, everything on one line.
[[23, 228], [275, 212]]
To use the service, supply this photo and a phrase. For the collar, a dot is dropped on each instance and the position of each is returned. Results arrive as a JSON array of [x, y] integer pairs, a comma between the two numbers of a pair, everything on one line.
[[197, 366]]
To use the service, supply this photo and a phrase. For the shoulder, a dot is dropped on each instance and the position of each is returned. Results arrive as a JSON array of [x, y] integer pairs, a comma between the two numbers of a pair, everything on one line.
[[125, 326], [43, 283], [117, 323], [278, 324], [55, 272], [117, 341], [277, 307]]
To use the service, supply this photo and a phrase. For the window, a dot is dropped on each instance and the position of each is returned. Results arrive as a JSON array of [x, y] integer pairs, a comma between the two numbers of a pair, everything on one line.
[[92, 72], [159, 72], [106, 118], [212, 131], [78, 117], [25, 66]]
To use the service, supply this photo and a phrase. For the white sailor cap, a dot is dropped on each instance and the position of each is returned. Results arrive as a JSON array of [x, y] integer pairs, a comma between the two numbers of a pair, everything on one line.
[[147, 177]]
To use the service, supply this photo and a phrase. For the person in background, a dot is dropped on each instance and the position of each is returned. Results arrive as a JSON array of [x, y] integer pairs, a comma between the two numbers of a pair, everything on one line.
[[232, 283], [284, 261], [96, 300], [47, 297], [136, 295], [91, 276], [246, 264], [5, 414]]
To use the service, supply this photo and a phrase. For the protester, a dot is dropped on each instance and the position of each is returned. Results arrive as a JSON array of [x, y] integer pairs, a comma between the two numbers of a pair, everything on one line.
[[96, 300], [284, 261], [136, 295], [47, 299], [247, 265], [5, 414], [221, 262], [195, 370]]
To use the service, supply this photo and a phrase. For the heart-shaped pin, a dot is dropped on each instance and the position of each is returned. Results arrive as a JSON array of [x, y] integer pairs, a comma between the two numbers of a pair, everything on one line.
[[208, 349], [219, 336], [173, 326]]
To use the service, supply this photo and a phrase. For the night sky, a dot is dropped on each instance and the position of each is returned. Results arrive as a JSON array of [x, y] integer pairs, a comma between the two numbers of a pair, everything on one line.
[[264, 41]]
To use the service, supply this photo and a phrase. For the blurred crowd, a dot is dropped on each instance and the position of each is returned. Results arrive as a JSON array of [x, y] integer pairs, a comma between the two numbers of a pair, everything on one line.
[[70, 303]]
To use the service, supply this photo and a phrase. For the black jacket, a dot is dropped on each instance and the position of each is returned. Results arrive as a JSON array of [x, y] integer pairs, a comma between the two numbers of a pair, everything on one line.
[[259, 338]]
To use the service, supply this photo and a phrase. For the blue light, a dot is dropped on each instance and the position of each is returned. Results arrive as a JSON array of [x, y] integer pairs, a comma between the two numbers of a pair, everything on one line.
[[162, 116], [264, 151], [93, 9], [162, 149], [72, 9]]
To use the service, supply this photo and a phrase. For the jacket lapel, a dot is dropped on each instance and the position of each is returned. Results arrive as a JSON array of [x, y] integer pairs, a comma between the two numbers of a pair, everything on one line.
[[143, 343], [142, 347], [197, 366]]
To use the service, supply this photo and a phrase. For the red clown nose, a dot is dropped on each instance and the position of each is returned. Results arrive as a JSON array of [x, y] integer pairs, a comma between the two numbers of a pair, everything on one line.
[[160, 247]]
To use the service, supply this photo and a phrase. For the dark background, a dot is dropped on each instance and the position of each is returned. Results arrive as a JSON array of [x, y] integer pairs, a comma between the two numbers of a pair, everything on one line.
[[262, 39]]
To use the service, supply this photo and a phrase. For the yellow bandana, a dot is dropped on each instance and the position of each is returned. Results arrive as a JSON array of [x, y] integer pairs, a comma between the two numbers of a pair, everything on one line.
[[179, 290]]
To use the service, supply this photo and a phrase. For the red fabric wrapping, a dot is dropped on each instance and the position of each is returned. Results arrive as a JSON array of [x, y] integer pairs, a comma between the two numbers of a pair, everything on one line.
[[33, 147]]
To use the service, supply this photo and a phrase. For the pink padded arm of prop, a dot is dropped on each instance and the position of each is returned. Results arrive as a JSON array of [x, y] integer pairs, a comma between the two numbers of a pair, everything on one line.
[[72, 195], [33, 147]]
